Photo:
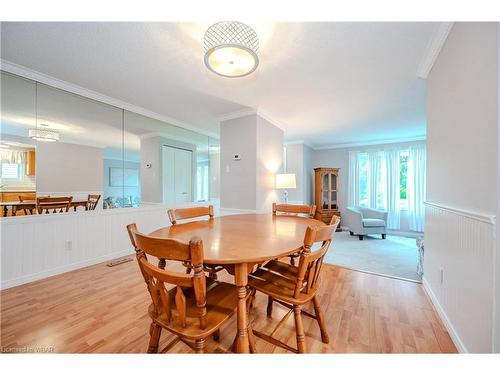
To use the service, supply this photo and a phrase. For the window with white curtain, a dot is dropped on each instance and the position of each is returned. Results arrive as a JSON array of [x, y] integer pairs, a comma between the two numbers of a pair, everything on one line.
[[391, 180]]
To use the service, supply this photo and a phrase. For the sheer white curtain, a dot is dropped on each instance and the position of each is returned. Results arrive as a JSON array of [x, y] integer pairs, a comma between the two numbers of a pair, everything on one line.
[[393, 164], [353, 183], [382, 185], [416, 187]]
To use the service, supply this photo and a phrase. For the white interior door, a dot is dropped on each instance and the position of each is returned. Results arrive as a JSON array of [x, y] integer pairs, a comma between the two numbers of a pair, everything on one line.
[[183, 175], [177, 175]]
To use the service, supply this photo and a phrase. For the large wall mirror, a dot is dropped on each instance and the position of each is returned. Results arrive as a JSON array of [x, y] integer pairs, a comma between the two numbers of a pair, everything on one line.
[[58, 144]]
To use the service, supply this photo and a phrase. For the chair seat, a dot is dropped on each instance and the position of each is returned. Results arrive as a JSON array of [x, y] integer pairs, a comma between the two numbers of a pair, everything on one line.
[[278, 285], [286, 270], [221, 303], [373, 223]]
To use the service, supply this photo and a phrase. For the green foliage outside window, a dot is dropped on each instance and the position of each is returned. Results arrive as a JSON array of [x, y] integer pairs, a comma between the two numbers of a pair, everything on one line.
[[403, 174]]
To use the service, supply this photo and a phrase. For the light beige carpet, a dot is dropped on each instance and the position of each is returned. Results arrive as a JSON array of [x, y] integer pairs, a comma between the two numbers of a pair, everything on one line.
[[395, 256]]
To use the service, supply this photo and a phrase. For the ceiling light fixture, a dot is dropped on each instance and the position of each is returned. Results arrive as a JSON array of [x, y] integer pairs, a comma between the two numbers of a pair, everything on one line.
[[44, 134], [231, 49]]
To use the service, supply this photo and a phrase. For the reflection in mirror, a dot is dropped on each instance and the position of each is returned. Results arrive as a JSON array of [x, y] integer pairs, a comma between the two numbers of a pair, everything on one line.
[[96, 152], [17, 150]]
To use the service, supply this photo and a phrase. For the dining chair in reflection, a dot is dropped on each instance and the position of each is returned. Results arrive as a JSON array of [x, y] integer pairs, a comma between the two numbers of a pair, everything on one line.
[[28, 210], [54, 204], [92, 201]]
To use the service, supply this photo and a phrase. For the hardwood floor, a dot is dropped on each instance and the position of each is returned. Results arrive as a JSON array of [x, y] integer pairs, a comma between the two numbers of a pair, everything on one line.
[[100, 309]]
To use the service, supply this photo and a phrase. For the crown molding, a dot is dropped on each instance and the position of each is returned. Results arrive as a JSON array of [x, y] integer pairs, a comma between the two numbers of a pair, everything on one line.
[[237, 114], [433, 49], [299, 142], [249, 112], [34, 75], [370, 143]]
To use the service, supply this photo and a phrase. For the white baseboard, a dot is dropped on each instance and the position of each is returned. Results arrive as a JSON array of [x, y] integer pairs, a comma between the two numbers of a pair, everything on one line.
[[63, 269], [449, 326]]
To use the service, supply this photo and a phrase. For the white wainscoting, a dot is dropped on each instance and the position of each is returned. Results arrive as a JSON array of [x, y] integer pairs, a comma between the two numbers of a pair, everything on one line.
[[461, 244], [39, 246]]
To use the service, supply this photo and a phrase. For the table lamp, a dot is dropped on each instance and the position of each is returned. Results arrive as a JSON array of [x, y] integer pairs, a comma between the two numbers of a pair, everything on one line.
[[285, 181]]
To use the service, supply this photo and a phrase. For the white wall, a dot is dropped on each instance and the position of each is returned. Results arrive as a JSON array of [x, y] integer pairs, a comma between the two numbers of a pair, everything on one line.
[[151, 183], [308, 174], [299, 161], [237, 186], [269, 163], [248, 184], [462, 193], [339, 158], [67, 168], [295, 164]]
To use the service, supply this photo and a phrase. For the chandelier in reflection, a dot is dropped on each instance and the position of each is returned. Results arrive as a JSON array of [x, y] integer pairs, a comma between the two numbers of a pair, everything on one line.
[[44, 134], [231, 49]]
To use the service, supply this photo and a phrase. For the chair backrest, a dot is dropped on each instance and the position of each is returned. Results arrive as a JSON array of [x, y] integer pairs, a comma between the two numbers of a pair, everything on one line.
[[335, 220], [310, 263], [23, 198], [53, 203], [92, 201], [156, 278], [189, 213], [304, 209]]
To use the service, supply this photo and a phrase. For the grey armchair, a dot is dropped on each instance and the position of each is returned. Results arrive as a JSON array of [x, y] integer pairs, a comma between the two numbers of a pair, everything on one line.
[[362, 221]]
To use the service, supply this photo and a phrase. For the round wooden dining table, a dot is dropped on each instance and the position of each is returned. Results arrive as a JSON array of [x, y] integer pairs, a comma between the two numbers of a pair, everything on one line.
[[238, 243]]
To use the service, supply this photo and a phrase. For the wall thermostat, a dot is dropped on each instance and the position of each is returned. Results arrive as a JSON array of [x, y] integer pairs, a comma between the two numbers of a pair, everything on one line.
[[236, 157]]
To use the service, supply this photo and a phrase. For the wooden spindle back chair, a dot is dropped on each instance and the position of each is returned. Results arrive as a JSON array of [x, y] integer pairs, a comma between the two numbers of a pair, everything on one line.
[[185, 309], [190, 213], [294, 209], [297, 209], [53, 204], [293, 286], [28, 210], [92, 201]]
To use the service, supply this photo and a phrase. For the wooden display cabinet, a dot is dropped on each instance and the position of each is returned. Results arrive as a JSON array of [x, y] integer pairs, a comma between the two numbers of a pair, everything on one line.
[[326, 194]]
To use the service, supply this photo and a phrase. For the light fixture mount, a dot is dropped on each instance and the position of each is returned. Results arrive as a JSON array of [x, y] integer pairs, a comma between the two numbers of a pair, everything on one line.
[[231, 49]]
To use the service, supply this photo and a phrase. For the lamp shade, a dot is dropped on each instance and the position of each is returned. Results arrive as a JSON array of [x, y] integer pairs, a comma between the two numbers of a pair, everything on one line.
[[285, 181]]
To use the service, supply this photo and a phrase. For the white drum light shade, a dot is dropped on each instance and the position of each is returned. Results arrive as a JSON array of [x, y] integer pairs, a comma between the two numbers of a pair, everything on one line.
[[231, 49], [285, 181]]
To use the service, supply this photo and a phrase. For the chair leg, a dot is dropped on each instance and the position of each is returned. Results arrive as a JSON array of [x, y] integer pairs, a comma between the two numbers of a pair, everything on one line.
[[321, 320], [270, 301], [199, 346], [361, 237], [154, 332], [383, 236], [351, 233], [299, 330]]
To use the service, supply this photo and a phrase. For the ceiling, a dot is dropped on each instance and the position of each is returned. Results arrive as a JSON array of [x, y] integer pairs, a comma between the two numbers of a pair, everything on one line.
[[322, 83]]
